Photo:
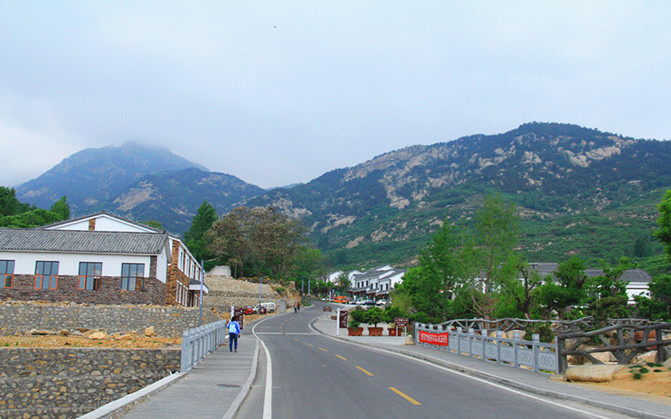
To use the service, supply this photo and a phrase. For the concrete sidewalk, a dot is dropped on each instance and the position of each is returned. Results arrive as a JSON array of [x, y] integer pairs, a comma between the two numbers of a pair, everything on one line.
[[528, 381], [214, 388]]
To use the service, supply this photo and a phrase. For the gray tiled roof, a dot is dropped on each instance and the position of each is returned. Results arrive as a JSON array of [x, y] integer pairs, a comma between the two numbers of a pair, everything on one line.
[[69, 241]]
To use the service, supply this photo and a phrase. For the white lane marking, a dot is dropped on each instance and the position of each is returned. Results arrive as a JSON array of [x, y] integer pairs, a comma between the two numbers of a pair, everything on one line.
[[287, 333], [268, 396], [518, 392]]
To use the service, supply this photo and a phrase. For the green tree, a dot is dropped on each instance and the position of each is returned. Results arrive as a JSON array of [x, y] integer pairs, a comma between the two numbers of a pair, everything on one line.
[[195, 238], [658, 305], [492, 259], [663, 233], [33, 218], [307, 262], [61, 208], [343, 285], [431, 284], [9, 205], [607, 294], [522, 292], [261, 239], [564, 292], [154, 224]]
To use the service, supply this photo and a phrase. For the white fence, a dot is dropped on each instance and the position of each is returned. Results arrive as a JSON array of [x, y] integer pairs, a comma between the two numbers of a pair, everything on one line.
[[532, 355], [198, 342]]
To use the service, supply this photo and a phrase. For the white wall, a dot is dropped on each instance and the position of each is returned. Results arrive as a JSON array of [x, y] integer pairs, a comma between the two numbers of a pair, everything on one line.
[[69, 263]]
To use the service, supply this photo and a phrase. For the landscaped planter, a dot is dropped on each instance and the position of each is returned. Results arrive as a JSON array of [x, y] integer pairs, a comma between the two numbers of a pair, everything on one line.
[[374, 331], [355, 331], [392, 331]]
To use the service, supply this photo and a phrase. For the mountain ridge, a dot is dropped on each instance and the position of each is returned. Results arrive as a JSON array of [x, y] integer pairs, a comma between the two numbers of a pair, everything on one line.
[[565, 180]]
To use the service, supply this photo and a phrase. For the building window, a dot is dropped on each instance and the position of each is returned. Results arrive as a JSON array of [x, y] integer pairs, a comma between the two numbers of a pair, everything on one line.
[[132, 275], [89, 275], [7, 273], [46, 275]]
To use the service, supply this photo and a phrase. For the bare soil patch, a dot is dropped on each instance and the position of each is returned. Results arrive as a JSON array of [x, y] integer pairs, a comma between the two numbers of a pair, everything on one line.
[[654, 385], [130, 340]]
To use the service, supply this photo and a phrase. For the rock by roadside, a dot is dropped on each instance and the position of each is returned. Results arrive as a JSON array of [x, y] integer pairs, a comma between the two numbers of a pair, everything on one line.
[[592, 373]]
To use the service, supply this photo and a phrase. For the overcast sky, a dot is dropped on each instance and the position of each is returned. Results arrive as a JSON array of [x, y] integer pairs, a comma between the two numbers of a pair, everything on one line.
[[280, 92]]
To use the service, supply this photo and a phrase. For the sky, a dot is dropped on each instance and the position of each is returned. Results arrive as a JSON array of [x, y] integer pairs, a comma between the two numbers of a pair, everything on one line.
[[280, 92]]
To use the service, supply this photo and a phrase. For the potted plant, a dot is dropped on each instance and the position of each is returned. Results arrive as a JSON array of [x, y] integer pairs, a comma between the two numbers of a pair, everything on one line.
[[374, 315], [353, 328], [390, 314]]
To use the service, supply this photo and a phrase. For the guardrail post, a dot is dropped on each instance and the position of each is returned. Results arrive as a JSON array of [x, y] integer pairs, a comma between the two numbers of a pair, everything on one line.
[[516, 337], [484, 336], [535, 338], [499, 336], [562, 362], [459, 330], [470, 341]]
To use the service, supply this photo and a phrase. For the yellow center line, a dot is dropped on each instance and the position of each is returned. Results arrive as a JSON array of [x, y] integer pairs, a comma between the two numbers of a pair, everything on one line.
[[322, 349], [341, 357], [365, 372], [309, 344], [405, 396]]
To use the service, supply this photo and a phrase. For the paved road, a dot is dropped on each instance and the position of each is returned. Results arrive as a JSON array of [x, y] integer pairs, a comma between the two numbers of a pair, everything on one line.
[[316, 376]]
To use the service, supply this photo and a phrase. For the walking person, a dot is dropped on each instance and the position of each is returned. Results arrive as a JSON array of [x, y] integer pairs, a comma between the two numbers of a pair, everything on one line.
[[295, 308], [233, 334]]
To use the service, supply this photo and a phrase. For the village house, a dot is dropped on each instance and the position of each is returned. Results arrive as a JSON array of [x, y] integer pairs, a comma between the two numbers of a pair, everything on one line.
[[375, 283], [101, 259], [637, 280]]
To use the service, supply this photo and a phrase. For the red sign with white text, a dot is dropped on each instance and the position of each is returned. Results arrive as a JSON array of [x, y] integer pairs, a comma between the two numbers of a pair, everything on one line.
[[433, 338]]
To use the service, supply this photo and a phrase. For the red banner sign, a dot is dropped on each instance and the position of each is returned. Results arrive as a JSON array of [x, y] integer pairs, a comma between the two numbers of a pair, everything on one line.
[[433, 338]]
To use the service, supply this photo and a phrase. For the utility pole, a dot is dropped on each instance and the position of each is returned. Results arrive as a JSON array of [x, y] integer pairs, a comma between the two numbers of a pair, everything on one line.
[[202, 269], [260, 290]]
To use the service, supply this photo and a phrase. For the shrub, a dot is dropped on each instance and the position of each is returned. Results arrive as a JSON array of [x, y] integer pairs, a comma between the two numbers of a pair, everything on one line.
[[374, 315], [392, 312]]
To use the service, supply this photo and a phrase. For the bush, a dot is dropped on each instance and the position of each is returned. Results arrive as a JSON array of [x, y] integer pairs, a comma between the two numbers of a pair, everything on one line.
[[374, 315], [392, 312], [358, 314], [543, 329], [420, 317], [353, 323]]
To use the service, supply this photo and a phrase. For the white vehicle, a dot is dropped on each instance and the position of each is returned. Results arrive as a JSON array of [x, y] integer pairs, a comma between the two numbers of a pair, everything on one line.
[[269, 306]]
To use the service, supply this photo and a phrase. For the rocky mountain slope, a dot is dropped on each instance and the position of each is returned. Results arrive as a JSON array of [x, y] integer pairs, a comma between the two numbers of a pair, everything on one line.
[[94, 176], [173, 198], [563, 178], [579, 192]]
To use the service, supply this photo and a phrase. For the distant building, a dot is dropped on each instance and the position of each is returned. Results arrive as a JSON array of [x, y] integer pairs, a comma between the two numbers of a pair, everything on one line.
[[638, 279], [101, 259], [375, 283]]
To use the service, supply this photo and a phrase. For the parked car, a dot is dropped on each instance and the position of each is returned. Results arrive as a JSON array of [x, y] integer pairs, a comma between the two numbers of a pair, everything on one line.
[[248, 310], [368, 303], [269, 307], [381, 303]]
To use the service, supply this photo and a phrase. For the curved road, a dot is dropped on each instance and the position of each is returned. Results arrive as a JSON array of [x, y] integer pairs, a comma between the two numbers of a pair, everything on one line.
[[314, 375]]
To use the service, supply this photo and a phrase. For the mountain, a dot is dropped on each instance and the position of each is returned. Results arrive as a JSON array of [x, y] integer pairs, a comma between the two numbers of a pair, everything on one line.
[[93, 176], [173, 198], [572, 186], [578, 191]]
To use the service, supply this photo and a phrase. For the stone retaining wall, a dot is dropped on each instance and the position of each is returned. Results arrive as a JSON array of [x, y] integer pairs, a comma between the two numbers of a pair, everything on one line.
[[68, 382], [168, 321]]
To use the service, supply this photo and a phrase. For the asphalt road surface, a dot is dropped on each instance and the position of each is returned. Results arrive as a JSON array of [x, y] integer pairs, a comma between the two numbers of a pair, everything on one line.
[[316, 376]]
